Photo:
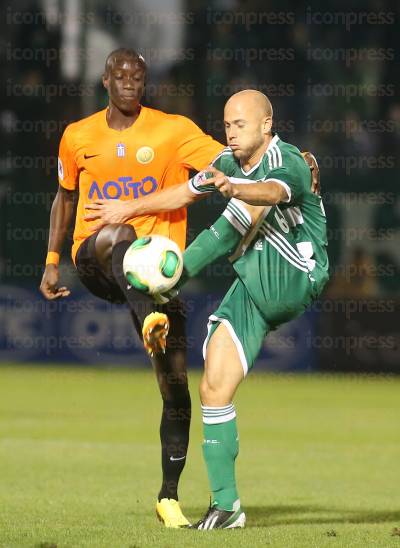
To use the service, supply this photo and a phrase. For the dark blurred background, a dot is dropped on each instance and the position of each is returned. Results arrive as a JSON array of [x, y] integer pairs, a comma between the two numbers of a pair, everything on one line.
[[331, 72]]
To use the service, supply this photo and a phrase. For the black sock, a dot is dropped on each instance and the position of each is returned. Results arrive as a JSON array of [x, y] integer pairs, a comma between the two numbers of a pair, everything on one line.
[[176, 414], [139, 303], [174, 435]]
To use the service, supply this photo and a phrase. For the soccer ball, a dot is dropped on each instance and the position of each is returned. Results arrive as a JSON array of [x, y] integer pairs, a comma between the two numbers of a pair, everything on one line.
[[153, 264]]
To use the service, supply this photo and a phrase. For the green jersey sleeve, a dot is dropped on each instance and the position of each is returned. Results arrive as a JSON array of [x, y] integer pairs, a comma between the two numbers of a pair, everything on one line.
[[224, 162]]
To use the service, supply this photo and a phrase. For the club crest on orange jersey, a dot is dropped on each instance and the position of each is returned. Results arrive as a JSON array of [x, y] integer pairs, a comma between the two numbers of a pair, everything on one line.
[[121, 150], [144, 155]]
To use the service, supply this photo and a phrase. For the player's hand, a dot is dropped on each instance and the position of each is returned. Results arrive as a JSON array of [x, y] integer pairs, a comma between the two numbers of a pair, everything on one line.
[[220, 181], [315, 175], [106, 212], [49, 284]]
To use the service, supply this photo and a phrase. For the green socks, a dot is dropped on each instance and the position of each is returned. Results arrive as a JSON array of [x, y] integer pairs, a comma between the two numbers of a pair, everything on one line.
[[220, 449]]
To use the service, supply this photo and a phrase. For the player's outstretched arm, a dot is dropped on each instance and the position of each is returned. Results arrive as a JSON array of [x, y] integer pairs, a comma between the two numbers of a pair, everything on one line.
[[120, 211], [258, 193], [61, 215]]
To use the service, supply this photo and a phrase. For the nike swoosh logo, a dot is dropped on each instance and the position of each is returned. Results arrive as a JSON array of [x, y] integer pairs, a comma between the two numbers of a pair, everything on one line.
[[177, 458], [87, 156]]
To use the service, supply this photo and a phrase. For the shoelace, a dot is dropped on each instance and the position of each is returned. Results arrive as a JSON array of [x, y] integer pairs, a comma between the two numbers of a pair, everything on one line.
[[210, 509]]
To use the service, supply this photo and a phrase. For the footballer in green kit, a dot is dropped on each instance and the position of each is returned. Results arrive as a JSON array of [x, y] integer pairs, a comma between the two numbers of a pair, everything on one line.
[[282, 271], [286, 266], [275, 225]]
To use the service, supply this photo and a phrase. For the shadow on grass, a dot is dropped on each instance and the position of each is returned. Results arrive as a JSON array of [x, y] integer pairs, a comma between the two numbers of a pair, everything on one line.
[[268, 516]]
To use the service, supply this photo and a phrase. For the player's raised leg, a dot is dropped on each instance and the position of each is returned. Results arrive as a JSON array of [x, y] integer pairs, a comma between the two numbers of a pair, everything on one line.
[[112, 243], [222, 375]]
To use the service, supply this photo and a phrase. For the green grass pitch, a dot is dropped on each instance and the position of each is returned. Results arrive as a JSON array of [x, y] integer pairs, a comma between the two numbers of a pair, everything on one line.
[[79, 461]]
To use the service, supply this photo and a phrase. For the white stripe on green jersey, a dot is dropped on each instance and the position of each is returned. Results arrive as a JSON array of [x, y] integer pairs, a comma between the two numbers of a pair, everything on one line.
[[238, 216], [281, 245]]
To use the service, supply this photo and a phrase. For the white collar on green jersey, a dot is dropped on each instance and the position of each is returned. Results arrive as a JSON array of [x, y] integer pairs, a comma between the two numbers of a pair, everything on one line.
[[272, 143]]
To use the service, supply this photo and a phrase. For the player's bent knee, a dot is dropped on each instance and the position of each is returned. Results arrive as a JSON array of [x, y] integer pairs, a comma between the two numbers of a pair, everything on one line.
[[112, 234], [214, 393], [117, 232], [108, 237], [223, 371]]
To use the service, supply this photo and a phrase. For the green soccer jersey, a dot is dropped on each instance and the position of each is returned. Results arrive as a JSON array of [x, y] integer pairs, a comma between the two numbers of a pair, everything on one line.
[[292, 233]]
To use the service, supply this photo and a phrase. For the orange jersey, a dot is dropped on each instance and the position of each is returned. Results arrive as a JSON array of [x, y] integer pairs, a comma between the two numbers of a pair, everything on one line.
[[154, 153]]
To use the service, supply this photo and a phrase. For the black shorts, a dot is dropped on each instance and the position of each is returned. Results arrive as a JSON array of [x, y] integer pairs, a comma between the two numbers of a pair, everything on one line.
[[93, 277], [105, 287]]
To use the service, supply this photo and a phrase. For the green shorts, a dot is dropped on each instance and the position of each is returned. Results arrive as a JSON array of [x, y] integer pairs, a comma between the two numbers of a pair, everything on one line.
[[248, 325]]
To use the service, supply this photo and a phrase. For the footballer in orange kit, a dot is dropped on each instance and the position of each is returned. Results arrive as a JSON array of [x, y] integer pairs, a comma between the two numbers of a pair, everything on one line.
[[125, 152]]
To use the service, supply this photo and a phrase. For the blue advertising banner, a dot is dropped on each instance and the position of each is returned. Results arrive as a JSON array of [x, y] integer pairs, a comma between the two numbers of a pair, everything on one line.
[[82, 329]]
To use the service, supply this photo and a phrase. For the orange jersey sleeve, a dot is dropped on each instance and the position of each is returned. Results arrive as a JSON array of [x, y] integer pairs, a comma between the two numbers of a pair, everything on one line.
[[194, 148], [67, 168]]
